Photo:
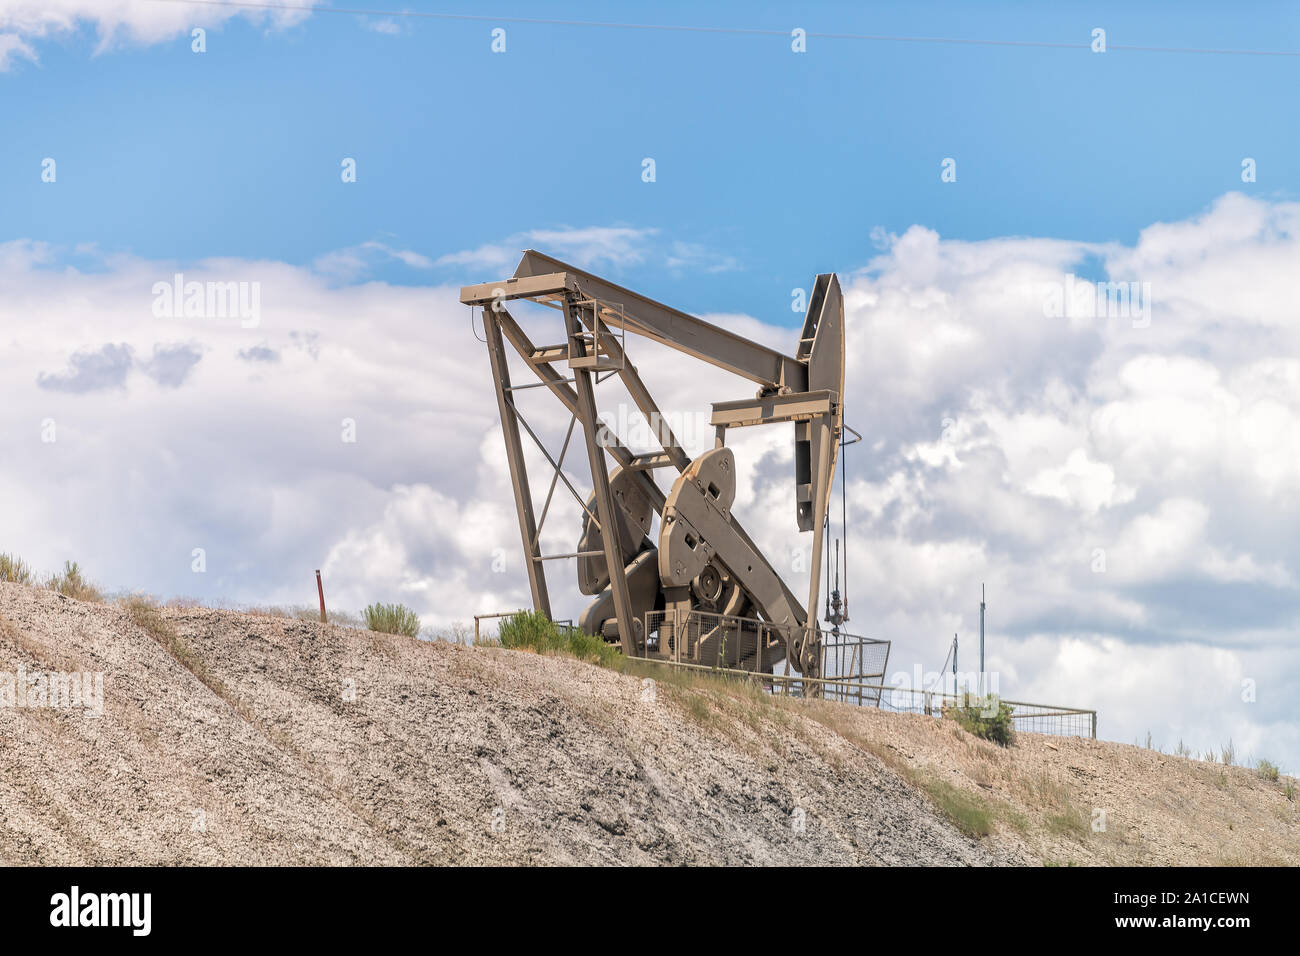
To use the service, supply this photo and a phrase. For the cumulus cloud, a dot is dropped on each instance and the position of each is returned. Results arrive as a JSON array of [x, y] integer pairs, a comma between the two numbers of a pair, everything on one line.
[[1121, 483], [107, 367], [122, 22], [170, 365], [90, 370], [1127, 489]]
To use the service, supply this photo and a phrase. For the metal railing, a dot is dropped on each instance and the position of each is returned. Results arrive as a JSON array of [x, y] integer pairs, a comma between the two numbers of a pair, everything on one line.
[[860, 660], [1053, 719], [748, 644], [853, 669]]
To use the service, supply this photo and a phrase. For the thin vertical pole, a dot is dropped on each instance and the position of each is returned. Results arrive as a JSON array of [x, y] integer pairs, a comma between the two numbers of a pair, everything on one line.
[[954, 666], [320, 590], [981, 640]]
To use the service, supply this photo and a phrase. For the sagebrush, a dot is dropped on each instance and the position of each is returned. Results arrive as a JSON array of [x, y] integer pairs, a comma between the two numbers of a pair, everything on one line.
[[70, 582], [392, 619], [533, 630]]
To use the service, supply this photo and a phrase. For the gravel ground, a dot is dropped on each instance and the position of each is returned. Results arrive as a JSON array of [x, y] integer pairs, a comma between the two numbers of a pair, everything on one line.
[[1046, 795], [288, 741]]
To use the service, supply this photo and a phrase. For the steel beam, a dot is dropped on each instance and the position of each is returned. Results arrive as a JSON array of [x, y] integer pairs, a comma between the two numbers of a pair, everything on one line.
[[492, 293], [662, 323], [821, 503], [648, 462], [797, 406], [515, 459], [605, 507]]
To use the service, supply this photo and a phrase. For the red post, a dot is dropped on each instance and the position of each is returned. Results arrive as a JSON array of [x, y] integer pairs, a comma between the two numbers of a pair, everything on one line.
[[320, 589]]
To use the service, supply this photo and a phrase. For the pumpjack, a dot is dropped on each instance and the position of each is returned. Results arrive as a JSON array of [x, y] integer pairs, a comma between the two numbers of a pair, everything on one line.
[[700, 589]]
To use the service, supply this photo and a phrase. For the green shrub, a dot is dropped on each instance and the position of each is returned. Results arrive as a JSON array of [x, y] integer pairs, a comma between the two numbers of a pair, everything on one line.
[[533, 630], [71, 583], [974, 717], [392, 619], [1268, 770], [14, 569]]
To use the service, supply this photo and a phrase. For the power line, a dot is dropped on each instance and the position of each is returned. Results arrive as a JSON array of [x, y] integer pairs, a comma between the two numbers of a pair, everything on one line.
[[736, 31]]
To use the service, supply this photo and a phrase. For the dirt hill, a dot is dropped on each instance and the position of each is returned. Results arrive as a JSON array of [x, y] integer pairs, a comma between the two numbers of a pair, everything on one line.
[[248, 739]]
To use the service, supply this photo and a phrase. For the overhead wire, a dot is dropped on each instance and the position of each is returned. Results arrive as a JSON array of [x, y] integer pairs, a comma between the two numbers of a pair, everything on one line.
[[736, 31]]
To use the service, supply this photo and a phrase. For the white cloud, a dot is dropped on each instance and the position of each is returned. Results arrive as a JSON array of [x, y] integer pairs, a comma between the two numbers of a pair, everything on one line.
[[598, 247], [588, 247], [385, 25], [356, 262], [697, 257], [13, 47], [120, 22], [1001, 446]]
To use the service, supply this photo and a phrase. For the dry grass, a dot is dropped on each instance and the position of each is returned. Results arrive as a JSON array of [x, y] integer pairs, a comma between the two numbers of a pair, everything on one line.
[[704, 698], [71, 583], [735, 708], [52, 658], [456, 633], [288, 612], [147, 616], [1075, 801], [969, 813], [974, 814], [1038, 799], [14, 569]]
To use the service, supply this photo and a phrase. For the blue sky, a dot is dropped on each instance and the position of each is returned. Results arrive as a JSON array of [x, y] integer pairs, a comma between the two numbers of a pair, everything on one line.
[[1004, 444], [775, 162]]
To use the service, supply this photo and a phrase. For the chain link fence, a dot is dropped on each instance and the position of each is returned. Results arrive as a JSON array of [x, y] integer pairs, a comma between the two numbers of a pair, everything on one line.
[[853, 670], [1031, 718]]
